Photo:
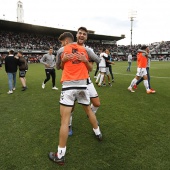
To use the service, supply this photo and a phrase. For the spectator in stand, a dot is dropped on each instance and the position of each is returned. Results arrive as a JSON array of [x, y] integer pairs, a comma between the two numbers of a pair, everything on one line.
[[11, 64], [31, 41]]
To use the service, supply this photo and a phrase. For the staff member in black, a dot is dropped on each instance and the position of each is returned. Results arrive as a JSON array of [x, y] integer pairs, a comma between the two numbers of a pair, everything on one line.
[[23, 67], [11, 64]]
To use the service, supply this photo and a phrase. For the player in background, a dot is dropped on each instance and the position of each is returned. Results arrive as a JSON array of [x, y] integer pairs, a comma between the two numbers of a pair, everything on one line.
[[129, 62], [148, 73], [23, 67], [97, 66], [73, 60], [49, 62], [142, 57], [108, 64], [102, 67]]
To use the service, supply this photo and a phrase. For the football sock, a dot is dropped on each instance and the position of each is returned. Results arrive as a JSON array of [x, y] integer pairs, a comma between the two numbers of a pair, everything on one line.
[[145, 82], [101, 79], [61, 152], [70, 124], [97, 131], [133, 82], [98, 76], [94, 109]]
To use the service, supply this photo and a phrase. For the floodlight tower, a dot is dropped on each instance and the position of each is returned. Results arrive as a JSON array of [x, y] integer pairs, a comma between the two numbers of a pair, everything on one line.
[[20, 12], [132, 15]]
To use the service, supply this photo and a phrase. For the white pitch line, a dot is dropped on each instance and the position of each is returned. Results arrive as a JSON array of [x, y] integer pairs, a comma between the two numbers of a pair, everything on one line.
[[150, 76], [134, 75]]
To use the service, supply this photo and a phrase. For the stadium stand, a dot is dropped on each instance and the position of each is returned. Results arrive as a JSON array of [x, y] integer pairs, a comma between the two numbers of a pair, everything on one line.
[[34, 41]]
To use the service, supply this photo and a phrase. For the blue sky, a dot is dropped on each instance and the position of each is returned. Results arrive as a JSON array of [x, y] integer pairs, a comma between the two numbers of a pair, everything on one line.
[[107, 17]]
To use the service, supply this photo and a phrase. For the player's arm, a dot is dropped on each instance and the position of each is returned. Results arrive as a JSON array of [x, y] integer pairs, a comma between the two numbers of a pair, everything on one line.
[[59, 64], [145, 54], [65, 57], [108, 61], [60, 59], [92, 56], [6, 66], [42, 60], [81, 57], [105, 56]]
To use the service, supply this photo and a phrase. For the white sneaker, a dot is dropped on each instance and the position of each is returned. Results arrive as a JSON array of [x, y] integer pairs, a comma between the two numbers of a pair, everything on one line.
[[54, 88], [14, 88], [10, 92], [43, 85], [131, 90]]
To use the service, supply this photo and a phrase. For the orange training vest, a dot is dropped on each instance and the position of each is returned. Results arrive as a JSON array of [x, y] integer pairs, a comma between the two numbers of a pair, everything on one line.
[[74, 69], [141, 60]]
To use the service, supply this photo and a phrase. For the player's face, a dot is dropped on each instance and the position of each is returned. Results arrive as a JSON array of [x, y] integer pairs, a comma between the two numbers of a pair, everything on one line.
[[62, 43], [19, 54], [107, 51], [50, 51], [81, 37], [147, 50]]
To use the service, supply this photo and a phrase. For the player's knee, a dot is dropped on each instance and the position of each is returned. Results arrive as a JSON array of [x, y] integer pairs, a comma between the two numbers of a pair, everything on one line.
[[96, 104]]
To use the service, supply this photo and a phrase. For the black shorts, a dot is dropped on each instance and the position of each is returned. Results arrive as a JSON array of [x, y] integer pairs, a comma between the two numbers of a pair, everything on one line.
[[22, 73]]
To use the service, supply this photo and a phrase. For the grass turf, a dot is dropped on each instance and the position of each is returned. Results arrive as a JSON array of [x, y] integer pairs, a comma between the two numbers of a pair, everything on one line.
[[135, 126]]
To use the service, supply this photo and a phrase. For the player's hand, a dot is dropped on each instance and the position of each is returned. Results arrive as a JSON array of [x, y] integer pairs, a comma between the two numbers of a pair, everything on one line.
[[81, 57], [66, 57], [47, 65]]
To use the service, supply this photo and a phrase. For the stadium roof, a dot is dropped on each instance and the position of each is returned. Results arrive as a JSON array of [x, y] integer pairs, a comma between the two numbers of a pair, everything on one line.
[[24, 27]]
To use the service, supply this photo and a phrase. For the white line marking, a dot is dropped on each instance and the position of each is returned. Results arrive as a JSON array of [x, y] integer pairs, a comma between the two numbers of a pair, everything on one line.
[[150, 76]]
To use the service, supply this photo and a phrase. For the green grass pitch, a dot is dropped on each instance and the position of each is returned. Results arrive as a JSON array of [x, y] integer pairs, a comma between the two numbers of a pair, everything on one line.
[[135, 126]]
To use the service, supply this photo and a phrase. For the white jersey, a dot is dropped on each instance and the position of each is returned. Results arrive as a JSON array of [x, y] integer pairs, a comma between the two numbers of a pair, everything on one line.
[[130, 58], [102, 60]]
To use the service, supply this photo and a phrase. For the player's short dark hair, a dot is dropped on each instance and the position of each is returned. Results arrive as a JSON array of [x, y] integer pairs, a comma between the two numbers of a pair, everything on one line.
[[104, 49], [144, 47], [11, 51], [20, 52], [66, 35], [83, 28]]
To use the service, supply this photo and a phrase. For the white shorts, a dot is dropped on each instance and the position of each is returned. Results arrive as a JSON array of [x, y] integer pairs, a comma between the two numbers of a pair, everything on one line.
[[141, 72], [107, 71], [70, 94], [92, 90], [102, 69]]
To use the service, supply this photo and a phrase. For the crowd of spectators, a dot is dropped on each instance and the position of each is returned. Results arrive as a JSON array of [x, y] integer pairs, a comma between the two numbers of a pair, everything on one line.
[[27, 41]]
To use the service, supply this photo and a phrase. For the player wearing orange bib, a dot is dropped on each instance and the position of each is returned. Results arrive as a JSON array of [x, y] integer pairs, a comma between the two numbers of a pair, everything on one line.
[[142, 58], [73, 60]]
